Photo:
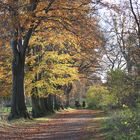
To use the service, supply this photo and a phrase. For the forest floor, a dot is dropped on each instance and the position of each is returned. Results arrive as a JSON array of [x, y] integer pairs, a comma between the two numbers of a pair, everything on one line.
[[65, 125]]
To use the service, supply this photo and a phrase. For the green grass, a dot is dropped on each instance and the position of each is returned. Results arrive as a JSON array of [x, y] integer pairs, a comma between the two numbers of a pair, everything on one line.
[[28, 121], [24, 122], [7, 109]]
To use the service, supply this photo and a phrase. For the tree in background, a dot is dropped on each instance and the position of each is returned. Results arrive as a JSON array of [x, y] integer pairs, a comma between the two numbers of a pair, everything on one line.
[[50, 70], [5, 71], [121, 86], [96, 97]]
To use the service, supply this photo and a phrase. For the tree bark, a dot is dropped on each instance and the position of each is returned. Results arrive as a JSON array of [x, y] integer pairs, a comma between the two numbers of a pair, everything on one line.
[[19, 45], [67, 99], [42, 105], [38, 109], [67, 90], [49, 103], [18, 107], [56, 103]]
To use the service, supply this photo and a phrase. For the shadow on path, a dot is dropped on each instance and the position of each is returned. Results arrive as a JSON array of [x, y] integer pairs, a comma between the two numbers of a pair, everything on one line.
[[66, 125]]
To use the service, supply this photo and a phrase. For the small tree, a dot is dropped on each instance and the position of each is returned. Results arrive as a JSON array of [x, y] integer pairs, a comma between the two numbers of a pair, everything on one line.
[[96, 95], [121, 86]]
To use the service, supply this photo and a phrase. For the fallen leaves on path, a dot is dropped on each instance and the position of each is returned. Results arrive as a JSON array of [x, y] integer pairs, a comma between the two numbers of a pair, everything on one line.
[[65, 125]]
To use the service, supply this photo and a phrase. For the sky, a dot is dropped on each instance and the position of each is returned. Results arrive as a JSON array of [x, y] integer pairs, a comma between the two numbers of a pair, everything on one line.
[[107, 1]]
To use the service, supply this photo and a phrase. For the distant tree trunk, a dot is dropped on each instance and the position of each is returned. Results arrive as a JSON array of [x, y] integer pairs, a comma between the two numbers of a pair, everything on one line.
[[129, 65], [56, 103], [67, 90], [49, 103], [42, 105], [67, 99], [38, 109]]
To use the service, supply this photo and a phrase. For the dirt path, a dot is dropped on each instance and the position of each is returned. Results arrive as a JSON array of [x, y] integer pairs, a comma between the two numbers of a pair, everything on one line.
[[66, 125]]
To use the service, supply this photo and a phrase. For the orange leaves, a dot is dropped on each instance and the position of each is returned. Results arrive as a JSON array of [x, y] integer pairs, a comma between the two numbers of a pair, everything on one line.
[[64, 24], [41, 6], [1, 43], [61, 14], [5, 71]]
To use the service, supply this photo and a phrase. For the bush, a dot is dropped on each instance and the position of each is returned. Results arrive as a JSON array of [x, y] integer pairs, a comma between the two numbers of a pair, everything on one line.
[[123, 87], [123, 125], [97, 97]]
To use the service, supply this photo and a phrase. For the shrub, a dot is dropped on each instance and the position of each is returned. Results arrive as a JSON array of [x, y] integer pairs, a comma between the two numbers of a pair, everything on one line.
[[123, 125], [122, 86], [96, 96]]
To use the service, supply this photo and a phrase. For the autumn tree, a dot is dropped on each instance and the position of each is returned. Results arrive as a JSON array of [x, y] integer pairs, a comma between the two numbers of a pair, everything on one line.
[[122, 46], [63, 48], [49, 69], [5, 72], [23, 19]]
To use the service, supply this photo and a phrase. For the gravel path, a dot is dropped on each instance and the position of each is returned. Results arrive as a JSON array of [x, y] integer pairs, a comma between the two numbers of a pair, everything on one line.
[[66, 125]]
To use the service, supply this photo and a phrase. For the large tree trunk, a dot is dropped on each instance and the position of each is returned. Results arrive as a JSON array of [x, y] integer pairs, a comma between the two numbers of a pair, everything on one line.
[[19, 45], [18, 108]]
